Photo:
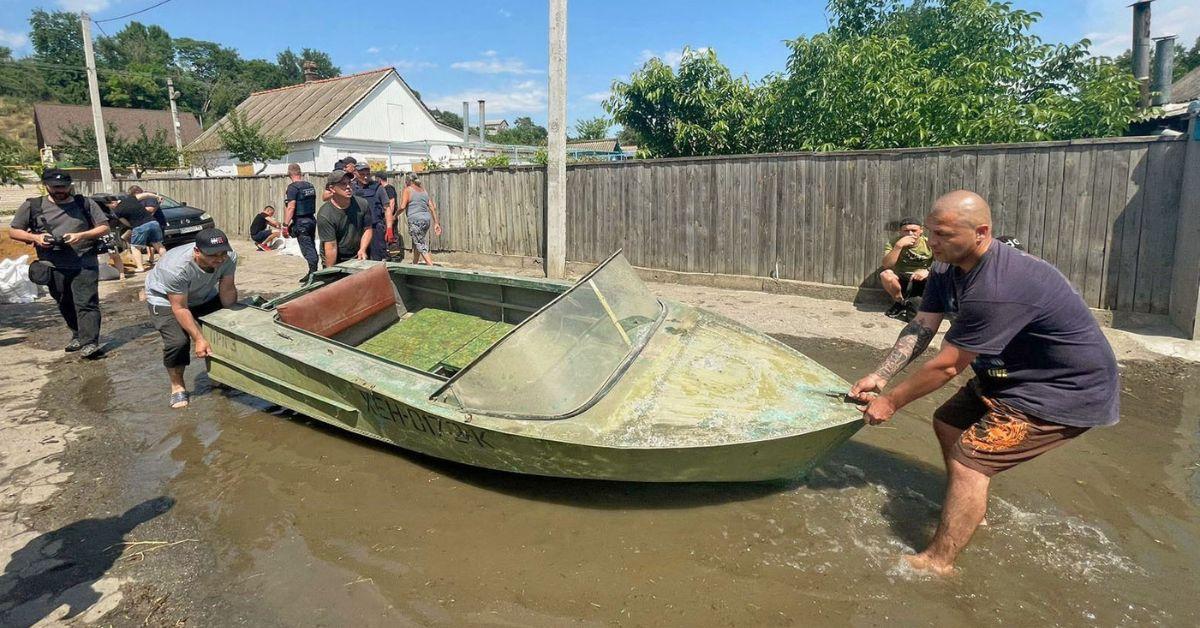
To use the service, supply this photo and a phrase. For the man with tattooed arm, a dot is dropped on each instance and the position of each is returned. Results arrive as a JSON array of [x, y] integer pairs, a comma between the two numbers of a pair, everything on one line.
[[1044, 372]]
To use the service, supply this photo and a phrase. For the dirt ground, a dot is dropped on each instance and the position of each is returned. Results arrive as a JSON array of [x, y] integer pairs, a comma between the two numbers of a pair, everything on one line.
[[115, 510]]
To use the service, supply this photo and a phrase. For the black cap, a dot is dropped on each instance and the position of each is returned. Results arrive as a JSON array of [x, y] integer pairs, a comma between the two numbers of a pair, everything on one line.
[[337, 176], [348, 160], [339, 164], [54, 176], [212, 241], [1011, 241], [363, 166], [908, 221]]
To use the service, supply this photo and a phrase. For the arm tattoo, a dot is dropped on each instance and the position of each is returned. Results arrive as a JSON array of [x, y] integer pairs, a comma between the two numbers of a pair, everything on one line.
[[913, 340]]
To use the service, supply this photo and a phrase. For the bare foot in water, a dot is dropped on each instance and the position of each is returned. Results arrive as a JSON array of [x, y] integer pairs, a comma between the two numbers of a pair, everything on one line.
[[921, 562]]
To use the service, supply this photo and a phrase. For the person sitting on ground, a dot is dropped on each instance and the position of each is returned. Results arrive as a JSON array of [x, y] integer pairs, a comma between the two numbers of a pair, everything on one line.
[[264, 229], [906, 262], [144, 230], [343, 222], [187, 283], [421, 212]]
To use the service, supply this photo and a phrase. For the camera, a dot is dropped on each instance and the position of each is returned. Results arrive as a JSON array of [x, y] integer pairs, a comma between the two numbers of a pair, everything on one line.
[[55, 241]]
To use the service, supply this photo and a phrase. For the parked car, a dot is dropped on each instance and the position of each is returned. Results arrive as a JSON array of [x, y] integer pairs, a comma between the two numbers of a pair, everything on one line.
[[183, 221]]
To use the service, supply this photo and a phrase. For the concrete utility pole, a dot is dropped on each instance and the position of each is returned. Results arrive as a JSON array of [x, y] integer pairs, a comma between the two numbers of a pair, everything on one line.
[[89, 58], [172, 94], [1141, 50], [556, 164], [466, 124]]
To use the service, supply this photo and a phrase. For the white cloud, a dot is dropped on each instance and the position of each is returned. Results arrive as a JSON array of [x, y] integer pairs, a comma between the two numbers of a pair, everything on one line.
[[12, 40], [504, 13], [1108, 24], [91, 6], [523, 98], [491, 63], [597, 96], [670, 57], [373, 50]]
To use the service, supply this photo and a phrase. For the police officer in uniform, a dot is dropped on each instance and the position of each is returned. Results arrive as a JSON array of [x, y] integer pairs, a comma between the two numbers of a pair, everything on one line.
[[367, 188], [300, 217]]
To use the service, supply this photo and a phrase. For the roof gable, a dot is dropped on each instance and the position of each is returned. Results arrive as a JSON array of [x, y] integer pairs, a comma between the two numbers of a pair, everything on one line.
[[52, 119], [305, 112]]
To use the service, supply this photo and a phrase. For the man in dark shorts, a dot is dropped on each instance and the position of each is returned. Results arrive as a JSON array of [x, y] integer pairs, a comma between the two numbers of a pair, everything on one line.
[[300, 217], [63, 228], [343, 222], [1044, 373], [187, 283], [264, 229]]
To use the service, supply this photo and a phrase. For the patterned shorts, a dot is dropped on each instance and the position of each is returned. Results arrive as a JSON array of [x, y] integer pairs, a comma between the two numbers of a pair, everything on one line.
[[418, 228], [995, 436]]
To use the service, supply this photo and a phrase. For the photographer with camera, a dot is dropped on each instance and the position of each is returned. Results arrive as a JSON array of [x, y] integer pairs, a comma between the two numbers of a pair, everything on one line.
[[63, 228]]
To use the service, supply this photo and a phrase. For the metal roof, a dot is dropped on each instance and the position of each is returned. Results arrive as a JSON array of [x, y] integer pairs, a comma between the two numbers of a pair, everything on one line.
[[1187, 88], [304, 112], [599, 146]]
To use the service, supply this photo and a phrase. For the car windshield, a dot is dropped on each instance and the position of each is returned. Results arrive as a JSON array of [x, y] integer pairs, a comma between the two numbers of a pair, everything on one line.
[[556, 362], [168, 202]]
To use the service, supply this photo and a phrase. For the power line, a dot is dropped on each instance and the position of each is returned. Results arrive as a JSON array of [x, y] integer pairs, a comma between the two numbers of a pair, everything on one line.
[[121, 17], [81, 69]]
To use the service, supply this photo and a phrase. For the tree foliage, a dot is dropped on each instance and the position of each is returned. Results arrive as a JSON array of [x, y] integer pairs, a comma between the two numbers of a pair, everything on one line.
[[137, 153], [1185, 60], [523, 132], [12, 157], [134, 63], [592, 128], [246, 141], [886, 74], [448, 118]]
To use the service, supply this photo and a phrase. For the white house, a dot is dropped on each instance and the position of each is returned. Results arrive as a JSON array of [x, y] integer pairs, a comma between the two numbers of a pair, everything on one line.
[[372, 115]]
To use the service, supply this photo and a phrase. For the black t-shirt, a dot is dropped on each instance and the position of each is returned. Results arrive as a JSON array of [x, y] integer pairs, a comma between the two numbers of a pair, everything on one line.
[[345, 227], [152, 203], [259, 223], [305, 196], [1040, 349], [391, 191], [131, 210]]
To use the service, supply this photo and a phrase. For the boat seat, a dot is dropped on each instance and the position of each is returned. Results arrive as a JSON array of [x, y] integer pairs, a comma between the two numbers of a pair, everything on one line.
[[349, 310]]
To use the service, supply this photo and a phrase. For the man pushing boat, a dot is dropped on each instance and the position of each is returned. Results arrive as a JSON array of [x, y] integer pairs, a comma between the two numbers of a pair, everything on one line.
[[1044, 372]]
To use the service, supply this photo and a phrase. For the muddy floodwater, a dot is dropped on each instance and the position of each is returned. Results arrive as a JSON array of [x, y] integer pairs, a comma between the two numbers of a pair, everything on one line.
[[296, 524]]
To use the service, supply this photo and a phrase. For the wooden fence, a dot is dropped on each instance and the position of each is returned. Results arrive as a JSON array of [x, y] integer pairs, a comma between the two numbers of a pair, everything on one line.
[[1103, 211]]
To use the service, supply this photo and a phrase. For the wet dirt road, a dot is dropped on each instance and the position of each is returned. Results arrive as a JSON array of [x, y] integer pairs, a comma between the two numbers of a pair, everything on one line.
[[283, 522]]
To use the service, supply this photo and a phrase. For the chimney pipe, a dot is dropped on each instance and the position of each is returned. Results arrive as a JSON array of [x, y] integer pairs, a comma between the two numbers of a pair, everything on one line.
[[482, 124], [466, 123], [310, 71], [1141, 50], [1164, 67]]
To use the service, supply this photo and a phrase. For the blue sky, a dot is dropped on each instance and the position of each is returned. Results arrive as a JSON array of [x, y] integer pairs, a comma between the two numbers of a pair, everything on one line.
[[496, 49]]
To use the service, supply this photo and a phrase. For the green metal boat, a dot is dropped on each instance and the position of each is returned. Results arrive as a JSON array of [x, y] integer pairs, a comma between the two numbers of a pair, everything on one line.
[[597, 380]]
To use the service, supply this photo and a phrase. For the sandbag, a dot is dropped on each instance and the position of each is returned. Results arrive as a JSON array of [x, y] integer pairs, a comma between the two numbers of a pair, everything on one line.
[[15, 286]]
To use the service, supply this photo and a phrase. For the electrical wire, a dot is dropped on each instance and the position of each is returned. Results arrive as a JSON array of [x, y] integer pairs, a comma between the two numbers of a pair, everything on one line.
[[121, 17], [99, 70]]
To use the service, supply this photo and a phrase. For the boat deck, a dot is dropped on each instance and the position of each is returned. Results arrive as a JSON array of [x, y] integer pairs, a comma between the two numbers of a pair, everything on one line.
[[431, 339]]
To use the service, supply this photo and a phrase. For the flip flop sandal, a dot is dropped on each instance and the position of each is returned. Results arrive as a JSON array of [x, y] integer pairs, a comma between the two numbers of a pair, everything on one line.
[[181, 396]]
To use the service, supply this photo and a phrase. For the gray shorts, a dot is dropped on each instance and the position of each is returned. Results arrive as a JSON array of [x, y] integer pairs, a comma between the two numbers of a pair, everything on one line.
[[418, 228]]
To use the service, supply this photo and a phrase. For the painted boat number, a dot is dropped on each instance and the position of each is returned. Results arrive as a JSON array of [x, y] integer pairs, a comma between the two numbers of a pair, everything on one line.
[[415, 420]]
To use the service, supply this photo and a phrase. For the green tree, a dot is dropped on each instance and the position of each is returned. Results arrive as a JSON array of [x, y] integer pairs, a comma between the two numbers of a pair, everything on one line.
[[137, 59], [592, 128], [628, 137], [247, 142], [523, 132], [58, 41], [141, 152], [448, 118], [292, 65], [886, 74], [12, 157], [699, 110], [1185, 60]]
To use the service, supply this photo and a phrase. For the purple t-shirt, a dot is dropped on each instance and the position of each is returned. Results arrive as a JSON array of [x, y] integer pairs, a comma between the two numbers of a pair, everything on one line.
[[1040, 350]]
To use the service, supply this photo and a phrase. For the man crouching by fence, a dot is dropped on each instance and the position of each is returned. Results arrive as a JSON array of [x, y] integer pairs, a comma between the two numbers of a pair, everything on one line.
[[187, 283]]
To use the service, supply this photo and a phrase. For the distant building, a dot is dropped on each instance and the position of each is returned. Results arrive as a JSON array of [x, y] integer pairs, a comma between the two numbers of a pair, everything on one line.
[[51, 121], [609, 149], [495, 126], [372, 115]]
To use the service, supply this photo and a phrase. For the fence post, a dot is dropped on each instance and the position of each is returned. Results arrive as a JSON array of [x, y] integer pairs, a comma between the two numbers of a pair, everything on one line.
[[1185, 272]]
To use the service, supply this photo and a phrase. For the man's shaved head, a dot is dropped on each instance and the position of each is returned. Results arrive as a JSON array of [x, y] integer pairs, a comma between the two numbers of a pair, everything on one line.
[[963, 206], [959, 228]]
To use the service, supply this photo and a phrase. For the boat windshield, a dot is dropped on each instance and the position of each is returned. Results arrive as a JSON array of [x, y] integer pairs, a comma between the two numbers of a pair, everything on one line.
[[555, 362]]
